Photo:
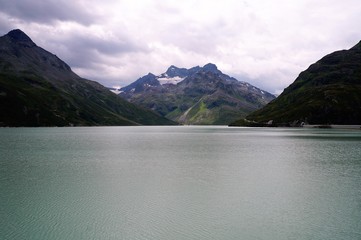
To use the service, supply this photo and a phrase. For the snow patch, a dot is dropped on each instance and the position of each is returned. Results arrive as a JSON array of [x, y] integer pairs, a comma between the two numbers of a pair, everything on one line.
[[166, 80], [116, 91]]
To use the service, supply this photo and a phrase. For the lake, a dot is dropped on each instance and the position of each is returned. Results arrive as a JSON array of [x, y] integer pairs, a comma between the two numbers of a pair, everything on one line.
[[183, 182]]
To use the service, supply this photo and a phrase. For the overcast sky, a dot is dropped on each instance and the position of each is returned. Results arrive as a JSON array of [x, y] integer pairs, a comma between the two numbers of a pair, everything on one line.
[[265, 42]]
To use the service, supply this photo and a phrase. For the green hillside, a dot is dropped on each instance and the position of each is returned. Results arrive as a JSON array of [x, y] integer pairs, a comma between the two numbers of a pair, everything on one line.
[[328, 92]]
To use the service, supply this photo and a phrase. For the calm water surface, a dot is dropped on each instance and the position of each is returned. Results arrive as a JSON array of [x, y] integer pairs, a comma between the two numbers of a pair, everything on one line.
[[179, 183]]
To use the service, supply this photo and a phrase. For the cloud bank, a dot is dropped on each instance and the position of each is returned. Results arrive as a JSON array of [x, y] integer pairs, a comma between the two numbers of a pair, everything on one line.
[[267, 43]]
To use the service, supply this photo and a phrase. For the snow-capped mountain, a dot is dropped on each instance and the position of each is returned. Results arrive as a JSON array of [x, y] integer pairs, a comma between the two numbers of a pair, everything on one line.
[[175, 75], [199, 95]]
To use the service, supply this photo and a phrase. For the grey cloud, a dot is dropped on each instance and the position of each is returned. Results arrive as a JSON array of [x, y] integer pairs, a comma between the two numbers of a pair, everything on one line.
[[83, 50], [47, 11], [5, 27], [192, 38], [104, 46]]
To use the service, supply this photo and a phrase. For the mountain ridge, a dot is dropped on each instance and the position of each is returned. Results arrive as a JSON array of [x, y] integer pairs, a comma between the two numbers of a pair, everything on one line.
[[327, 92], [39, 89], [199, 95]]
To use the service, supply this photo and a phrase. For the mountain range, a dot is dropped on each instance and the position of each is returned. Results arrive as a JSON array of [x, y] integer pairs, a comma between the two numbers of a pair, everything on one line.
[[39, 89], [328, 92], [199, 95]]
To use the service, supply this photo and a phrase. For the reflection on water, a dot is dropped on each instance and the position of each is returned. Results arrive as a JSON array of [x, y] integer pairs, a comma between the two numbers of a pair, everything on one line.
[[180, 183]]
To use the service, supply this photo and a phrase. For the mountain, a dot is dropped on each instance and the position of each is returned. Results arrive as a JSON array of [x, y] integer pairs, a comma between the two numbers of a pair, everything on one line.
[[328, 92], [39, 89], [199, 95]]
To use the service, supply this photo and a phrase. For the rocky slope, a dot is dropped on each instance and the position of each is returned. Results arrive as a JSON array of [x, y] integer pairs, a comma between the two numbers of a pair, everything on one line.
[[328, 92], [199, 95], [39, 89]]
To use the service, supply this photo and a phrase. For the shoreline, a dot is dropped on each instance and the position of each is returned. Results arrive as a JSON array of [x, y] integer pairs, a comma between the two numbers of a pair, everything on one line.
[[334, 126]]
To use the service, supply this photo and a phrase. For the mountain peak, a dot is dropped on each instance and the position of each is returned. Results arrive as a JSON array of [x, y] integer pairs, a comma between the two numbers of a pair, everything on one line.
[[199, 95], [39, 89], [210, 67], [18, 36], [172, 68], [174, 71]]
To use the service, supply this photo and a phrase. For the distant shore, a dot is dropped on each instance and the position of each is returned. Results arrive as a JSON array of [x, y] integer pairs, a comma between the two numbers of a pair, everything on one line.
[[333, 126]]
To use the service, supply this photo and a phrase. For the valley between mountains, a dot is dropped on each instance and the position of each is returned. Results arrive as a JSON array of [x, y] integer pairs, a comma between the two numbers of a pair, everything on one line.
[[39, 89]]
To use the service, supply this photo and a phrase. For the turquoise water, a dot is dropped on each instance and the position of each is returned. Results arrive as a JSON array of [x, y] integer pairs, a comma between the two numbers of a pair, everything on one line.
[[179, 183]]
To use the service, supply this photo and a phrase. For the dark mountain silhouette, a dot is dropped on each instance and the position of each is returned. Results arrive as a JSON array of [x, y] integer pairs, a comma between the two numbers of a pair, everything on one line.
[[328, 92], [39, 89]]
